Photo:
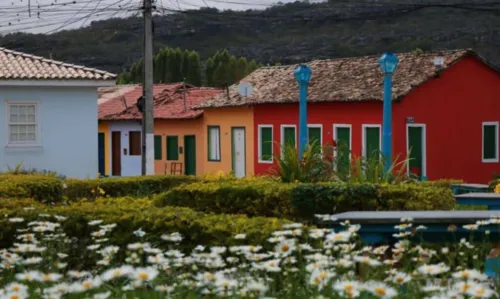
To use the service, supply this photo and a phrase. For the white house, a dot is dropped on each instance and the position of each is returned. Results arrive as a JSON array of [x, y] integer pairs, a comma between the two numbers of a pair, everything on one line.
[[49, 111]]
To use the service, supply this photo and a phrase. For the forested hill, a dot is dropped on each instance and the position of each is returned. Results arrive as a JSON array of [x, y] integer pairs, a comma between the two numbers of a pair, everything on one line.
[[284, 33]]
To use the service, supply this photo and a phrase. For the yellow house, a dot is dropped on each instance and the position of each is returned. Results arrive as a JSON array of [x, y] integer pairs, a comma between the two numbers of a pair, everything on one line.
[[229, 141], [179, 130]]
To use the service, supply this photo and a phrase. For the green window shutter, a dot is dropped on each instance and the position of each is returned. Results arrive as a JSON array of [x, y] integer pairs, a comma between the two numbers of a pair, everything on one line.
[[266, 145], [490, 142], [343, 136], [158, 153], [289, 135], [172, 148], [314, 134], [372, 143]]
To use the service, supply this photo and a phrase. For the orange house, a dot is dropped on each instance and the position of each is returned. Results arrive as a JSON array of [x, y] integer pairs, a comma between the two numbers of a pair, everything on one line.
[[178, 128]]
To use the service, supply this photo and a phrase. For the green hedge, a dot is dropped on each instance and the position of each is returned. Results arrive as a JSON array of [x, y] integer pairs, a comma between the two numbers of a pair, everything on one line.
[[133, 213], [125, 186], [253, 198], [493, 184], [51, 189], [40, 187], [303, 201]]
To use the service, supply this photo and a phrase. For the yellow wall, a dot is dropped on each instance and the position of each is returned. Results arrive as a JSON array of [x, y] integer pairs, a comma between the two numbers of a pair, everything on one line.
[[179, 128], [227, 118], [103, 128]]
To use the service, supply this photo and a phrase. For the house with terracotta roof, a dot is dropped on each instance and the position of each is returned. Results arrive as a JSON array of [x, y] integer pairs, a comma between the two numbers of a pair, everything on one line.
[[177, 127], [49, 110], [445, 116]]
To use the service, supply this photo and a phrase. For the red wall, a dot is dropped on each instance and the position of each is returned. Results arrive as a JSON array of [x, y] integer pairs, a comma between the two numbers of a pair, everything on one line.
[[452, 106]]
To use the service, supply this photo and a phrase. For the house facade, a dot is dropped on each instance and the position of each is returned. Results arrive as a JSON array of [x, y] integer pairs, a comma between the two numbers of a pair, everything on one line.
[[49, 110], [445, 117], [178, 129]]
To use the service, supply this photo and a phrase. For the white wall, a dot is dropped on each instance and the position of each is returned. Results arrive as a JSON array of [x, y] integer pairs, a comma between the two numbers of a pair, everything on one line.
[[68, 117]]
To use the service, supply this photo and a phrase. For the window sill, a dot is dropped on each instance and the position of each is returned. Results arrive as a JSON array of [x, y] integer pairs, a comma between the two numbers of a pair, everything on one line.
[[23, 148], [266, 162], [490, 161], [214, 160]]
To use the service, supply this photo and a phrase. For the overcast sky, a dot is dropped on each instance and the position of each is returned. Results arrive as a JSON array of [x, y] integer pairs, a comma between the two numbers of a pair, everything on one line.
[[48, 16]]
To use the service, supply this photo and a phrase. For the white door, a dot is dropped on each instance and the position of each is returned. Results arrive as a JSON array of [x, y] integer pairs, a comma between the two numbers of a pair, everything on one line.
[[130, 154], [238, 152]]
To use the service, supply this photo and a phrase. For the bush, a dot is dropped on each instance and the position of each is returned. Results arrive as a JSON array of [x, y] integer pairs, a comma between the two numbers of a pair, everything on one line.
[[125, 186], [51, 189], [493, 184], [444, 183], [130, 214], [40, 187], [302, 201], [255, 198]]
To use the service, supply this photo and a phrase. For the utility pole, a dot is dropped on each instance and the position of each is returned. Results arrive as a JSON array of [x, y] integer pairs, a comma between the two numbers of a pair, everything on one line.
[[147, 116]]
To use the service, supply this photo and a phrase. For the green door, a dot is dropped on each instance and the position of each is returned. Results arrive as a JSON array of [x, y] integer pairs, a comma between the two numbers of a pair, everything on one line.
[[372, 143], [343, 139], [415, 147], [190, 155]]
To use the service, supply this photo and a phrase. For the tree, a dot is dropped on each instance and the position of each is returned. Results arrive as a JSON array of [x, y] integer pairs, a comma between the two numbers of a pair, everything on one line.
[[231, 75], [185, 64], [194, 71], [241, 68], [252, 66], [209, 72], [170, 65], [176, 67]]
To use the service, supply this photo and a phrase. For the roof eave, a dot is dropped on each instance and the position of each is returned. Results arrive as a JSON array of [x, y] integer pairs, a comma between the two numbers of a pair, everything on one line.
[[58, 82]]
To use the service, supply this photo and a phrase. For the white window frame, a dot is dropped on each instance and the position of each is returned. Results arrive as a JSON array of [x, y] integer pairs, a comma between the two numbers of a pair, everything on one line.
[[424, 145], [259, 149], [38, 131], [320, 126], [335, 126], [363, 140], [218, 155], [282, 139], [489, 123]]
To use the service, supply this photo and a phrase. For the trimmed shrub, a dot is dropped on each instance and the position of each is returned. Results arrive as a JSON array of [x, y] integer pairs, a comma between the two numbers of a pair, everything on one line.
[[253, 198], [493, 184], [303, 201], [445, 183], [130, 214], [40, 187], [125, 186]]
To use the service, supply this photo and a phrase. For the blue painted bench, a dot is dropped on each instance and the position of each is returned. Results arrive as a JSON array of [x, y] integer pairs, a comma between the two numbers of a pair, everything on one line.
[[378, 228], [469, 188], [492, 200]]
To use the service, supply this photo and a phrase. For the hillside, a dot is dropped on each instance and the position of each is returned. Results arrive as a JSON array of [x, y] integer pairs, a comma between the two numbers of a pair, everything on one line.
[[286, 33]]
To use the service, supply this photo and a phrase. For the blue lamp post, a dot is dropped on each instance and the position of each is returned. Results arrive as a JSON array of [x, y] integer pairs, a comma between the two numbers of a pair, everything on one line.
[[388, 63], [303, 76]]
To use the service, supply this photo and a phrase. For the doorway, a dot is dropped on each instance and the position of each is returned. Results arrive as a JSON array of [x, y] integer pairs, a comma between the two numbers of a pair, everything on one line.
[[189, 155], [116, 161], [101, 153], [416, 150], [238, 152]]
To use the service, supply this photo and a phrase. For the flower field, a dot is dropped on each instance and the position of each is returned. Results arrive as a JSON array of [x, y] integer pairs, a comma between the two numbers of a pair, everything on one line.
[[294, 262]]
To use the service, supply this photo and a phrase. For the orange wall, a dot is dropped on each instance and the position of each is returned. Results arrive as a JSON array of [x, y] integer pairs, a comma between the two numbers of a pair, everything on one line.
[[179, 128], [103, 128], [227, 118]]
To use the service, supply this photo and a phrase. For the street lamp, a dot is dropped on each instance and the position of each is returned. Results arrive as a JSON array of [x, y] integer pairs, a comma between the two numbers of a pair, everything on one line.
[[388, 63], [303, 75]]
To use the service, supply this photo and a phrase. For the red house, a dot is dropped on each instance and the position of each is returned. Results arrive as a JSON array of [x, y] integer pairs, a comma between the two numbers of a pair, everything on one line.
[[446, 110]]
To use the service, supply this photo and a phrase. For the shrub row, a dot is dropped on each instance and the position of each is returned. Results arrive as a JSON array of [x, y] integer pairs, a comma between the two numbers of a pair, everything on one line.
[[303, 201], [130, 214], [49, 188]]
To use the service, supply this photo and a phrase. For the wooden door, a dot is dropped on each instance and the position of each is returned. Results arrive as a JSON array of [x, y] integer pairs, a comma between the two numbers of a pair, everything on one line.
[[116, 160], [238, 152], [101, 153], [190, 155]]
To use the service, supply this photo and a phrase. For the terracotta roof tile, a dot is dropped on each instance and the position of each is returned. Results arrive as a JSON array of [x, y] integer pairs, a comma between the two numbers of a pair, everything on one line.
[[20, 66], [168, 102], [344, 79]]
